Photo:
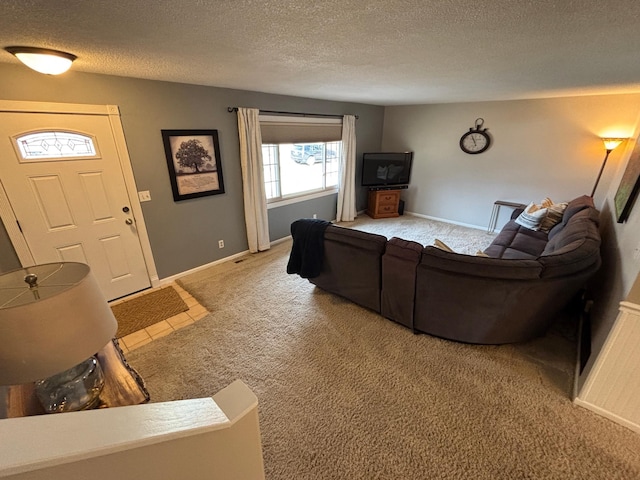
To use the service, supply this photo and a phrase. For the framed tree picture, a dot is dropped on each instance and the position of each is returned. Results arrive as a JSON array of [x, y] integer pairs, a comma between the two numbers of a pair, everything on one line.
[[629, 186], [193, 159]]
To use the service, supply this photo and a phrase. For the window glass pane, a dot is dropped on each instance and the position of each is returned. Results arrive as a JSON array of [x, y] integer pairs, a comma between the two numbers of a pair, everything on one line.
[[44, 145], [332, 167], [270, 165], [301, 167], [295, 169]]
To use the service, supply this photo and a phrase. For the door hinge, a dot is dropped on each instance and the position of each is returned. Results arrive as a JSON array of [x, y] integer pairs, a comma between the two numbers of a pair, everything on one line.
[[19, 227]]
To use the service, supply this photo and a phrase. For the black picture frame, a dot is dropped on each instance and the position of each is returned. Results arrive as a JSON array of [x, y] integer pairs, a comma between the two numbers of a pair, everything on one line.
[[193, 159], [629, 186]]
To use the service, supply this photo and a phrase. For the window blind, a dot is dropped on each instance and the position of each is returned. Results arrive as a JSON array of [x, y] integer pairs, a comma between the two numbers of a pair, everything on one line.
[[279, 129]]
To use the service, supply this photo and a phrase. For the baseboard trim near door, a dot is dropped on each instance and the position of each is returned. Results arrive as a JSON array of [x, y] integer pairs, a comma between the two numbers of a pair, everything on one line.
[[173, 278]]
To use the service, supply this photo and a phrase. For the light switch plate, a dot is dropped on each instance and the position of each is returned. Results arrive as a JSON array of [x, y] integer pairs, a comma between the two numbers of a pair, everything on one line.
[[144, 196]]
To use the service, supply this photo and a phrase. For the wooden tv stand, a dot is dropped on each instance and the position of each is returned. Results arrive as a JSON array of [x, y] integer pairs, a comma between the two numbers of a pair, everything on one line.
[[383, 203]]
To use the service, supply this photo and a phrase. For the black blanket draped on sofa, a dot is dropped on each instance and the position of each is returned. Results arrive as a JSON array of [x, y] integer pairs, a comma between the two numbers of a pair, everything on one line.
[[307, 251]]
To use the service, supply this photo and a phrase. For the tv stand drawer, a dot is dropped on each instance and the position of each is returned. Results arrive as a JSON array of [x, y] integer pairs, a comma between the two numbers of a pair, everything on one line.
[[383, 203]]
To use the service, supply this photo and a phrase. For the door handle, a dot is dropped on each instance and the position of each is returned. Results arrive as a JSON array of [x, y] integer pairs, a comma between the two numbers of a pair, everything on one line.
[[128, 221]]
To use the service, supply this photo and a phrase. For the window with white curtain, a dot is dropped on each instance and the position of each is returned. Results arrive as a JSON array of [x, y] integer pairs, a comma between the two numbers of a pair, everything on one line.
[[300, 156]]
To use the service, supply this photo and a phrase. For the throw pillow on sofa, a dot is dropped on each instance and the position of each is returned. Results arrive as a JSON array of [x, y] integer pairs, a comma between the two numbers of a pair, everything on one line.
[[554, 214], [532, 216], [442, 246]]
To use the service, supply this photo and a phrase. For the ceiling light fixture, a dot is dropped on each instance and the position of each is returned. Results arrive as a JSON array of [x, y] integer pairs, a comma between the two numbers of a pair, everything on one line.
[[43, 60]]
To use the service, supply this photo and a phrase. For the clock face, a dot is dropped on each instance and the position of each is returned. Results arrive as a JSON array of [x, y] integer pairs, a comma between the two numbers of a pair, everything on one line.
[[474, 142]]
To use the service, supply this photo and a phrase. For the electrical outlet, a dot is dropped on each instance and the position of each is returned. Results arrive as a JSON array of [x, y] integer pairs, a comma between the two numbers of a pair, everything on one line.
[[144, 196], [315, 215], [220, 243]]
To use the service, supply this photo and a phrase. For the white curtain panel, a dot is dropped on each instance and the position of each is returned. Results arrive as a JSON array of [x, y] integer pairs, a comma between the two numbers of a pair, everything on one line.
[[255, 199], [347, 189]]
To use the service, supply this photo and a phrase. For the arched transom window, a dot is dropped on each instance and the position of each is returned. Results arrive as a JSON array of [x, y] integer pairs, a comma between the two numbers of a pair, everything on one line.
[[40, 146]]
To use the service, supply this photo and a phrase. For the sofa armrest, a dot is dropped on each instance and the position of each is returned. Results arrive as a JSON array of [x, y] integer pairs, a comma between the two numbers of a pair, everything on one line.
[[516, 213]]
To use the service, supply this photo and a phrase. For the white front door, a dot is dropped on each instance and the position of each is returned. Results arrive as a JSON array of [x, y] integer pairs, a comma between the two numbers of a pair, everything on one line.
[[64, 182]]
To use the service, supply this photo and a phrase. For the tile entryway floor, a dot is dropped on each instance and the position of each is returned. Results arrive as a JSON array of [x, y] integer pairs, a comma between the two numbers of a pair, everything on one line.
[[165, 327]]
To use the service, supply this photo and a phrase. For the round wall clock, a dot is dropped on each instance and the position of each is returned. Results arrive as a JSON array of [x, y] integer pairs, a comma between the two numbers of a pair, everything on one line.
[[476, 140]]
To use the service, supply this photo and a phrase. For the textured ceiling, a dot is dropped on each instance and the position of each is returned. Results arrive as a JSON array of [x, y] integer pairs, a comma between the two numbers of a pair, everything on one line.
[[384, 52]]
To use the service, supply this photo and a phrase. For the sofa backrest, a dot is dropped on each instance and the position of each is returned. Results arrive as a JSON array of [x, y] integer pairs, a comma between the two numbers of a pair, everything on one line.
[[352, 265], [399, 264], [574, 244], [575, 206]]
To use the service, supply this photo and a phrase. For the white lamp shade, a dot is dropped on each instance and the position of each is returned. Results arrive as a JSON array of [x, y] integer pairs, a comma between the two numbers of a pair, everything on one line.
[[70, 322], [612, 143]]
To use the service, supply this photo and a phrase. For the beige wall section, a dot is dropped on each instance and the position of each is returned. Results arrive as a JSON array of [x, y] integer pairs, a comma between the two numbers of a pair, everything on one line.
[[195, 439], [547, 147], [620, 264], [544, 147]]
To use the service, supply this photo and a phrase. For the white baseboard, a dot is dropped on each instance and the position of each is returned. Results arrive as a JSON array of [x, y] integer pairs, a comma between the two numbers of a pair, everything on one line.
[[444, 220], [173, 278], [607, 414], [280, 240]]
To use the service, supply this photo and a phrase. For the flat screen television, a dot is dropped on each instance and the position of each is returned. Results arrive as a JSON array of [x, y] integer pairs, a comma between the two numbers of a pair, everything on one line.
[[386, 169]]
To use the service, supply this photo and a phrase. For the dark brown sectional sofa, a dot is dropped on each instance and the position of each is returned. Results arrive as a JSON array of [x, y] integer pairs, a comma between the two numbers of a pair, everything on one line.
[[513, 295]]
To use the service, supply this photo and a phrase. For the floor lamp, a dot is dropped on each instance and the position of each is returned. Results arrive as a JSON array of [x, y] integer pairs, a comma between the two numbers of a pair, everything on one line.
[[610, 144]]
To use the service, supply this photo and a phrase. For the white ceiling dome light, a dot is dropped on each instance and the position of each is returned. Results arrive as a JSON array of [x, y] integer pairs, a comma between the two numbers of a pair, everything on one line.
[[43, 60]]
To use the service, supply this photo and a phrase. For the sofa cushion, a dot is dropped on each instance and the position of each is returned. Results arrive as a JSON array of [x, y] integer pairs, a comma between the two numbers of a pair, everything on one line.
[[517, 242], [575, 247], [356, 238], [580, 226], [399, 264], [574, 206], [580, 255], [469, 265], [405, 249]]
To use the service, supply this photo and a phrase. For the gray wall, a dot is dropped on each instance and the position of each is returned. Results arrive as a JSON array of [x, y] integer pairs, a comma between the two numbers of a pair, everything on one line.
[[280, 218], [184, 234], [546, 147]]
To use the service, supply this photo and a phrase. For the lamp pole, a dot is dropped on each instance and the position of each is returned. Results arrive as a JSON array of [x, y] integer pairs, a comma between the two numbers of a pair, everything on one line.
[[604, 162], [609, 144]]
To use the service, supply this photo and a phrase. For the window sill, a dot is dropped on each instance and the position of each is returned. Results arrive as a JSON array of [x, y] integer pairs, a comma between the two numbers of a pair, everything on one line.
[[301, 198]]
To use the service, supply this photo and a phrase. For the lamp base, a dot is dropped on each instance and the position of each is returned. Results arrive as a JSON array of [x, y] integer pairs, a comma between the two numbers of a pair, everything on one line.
[[75, 389]]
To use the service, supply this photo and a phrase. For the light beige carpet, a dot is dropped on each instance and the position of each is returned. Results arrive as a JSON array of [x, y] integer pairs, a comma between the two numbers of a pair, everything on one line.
[[347, 394], [147, 309], [460, 239]]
